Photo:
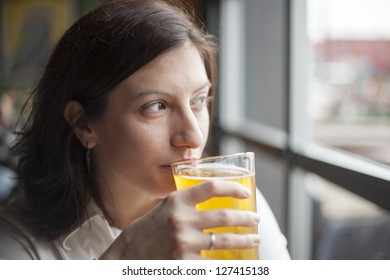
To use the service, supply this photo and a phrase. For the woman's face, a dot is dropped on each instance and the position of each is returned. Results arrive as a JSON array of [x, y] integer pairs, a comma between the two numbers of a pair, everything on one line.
[[155, 117]]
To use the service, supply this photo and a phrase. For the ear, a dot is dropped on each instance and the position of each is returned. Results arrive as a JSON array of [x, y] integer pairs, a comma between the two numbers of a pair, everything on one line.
[[77, 119]]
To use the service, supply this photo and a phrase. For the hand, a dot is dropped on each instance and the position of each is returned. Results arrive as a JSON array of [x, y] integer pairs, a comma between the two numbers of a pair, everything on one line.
[[173, 229]]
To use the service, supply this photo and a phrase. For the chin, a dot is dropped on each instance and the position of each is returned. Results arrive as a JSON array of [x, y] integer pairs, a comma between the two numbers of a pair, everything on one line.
[[160, 187], [162, 193]]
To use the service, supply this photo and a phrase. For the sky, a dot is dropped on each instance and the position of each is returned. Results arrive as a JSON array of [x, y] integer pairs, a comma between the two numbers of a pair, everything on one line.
[[348, 19]]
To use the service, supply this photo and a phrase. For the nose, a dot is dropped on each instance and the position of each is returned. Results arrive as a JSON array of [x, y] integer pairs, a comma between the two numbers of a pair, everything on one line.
[[187, 131]]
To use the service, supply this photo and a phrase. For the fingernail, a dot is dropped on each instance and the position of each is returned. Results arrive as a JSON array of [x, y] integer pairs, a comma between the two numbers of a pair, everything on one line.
[[257, 218], [247, 192], [256, 240]]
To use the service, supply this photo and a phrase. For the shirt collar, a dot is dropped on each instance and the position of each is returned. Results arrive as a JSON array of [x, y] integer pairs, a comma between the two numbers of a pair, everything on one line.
[[90, 239]]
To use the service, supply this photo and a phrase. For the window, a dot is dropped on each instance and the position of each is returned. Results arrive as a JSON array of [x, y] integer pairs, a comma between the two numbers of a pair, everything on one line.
[[279, 83], [349, 76]]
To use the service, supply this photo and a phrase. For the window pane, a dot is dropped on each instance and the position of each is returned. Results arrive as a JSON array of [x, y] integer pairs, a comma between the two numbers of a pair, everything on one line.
[[349, 75], [265, 53]]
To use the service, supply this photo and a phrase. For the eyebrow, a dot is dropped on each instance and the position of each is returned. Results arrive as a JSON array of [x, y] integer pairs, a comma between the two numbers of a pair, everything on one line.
[[156, 91]]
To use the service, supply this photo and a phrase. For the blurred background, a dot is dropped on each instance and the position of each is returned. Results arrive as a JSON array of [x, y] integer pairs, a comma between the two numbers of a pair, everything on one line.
[[305, 84]]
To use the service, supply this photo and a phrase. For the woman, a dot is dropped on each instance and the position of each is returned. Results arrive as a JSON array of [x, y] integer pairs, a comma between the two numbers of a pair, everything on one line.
[[125, 94]]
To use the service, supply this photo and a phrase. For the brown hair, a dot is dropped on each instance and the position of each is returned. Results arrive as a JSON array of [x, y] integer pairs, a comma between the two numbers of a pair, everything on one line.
[[99, 51]]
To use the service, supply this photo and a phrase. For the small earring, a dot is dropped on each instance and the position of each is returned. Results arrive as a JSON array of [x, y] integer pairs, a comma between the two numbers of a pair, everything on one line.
[[88, 158]]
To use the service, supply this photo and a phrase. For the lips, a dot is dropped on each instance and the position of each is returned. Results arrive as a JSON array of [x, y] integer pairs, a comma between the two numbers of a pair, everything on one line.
[[184, 159], [168, 166]]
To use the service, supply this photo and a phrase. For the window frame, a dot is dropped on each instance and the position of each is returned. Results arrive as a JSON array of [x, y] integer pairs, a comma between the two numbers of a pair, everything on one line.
[[366, 178]]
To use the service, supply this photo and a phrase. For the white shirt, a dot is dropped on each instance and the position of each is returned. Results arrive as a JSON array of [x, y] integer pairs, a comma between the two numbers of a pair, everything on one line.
[[95, 235]]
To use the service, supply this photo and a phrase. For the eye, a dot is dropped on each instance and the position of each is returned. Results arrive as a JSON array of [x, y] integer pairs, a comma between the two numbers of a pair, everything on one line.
[[154, 107], [200, 102]]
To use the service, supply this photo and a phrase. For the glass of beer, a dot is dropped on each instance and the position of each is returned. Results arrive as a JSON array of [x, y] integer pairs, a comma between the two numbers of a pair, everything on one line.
[[238, 168]]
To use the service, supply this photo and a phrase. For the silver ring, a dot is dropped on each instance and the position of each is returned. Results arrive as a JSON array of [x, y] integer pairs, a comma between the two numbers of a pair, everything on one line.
[[212, 240]]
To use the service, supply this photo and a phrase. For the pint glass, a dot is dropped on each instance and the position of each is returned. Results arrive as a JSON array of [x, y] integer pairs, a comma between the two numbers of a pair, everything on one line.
[[238, 168]]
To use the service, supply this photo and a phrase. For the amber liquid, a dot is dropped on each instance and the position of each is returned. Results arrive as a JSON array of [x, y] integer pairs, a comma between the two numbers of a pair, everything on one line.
[[189, 177]]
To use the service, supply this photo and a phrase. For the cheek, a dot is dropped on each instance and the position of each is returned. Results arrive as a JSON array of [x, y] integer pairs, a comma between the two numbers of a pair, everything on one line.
[[118, 141], [135, 141], [204, 124], [144, 140]]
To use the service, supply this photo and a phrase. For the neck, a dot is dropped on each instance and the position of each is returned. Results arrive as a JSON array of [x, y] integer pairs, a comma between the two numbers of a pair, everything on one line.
[[124, 206], [122, 215]]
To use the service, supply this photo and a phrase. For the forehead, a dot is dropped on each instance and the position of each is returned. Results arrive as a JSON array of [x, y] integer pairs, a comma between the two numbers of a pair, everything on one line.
[[179, 67]]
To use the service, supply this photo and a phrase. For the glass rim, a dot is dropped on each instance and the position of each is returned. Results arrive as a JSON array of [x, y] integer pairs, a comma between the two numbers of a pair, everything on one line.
[[251, 155]]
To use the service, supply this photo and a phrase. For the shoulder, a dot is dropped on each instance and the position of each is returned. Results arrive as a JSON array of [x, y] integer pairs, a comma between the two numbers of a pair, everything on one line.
[[17, 240]]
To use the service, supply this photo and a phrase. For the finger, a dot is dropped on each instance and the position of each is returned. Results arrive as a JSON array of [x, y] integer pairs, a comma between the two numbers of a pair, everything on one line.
[[226, 217], [214, 188], [190, 241], [192, 256], [224, 241]]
